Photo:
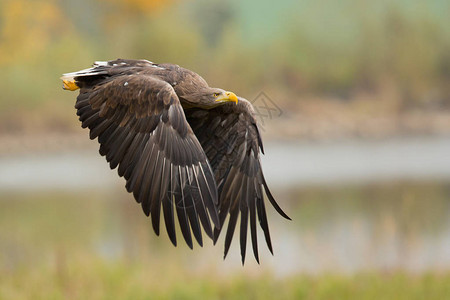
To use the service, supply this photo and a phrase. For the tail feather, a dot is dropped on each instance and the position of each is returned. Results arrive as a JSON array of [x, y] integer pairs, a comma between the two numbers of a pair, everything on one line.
[[74, 80], [99, 68], [86, 72]]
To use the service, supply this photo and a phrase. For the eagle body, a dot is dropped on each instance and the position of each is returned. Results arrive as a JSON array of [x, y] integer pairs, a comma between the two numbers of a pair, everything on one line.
[[184, 148]]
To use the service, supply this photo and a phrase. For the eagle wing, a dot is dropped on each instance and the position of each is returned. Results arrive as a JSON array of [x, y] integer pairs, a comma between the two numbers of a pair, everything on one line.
[[231, 140], [142, 130]]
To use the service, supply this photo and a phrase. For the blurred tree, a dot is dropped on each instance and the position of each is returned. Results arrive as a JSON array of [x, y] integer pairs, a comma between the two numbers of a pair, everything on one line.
[[212, 18], [138, 6], [412, 57], [118, 12], [28, 27], [310, 47]]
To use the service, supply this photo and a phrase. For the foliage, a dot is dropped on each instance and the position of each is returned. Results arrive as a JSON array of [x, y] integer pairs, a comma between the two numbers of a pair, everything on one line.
[[292, 49]]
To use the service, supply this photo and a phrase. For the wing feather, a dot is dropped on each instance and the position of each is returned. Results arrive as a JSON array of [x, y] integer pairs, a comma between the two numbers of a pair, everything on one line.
[[172, 157], [141, 127], [230, 138]]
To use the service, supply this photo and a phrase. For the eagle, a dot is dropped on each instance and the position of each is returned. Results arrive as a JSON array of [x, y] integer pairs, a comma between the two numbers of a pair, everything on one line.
[[180, 145]]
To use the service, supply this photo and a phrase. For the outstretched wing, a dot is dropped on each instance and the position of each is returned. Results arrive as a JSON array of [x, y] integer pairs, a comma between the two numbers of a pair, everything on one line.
[[142, 129], [231, 140]]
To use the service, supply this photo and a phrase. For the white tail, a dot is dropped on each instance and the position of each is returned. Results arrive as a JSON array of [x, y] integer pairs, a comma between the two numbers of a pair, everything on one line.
[[95, 70]]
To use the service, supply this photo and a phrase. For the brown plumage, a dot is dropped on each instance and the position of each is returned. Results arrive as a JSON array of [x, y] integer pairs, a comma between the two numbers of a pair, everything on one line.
[[179, 144]]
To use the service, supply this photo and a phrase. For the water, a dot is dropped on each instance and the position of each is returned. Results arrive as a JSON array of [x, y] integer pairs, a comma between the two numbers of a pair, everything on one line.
[[296, 164], [356, 206], [387, 226], [285, 164]]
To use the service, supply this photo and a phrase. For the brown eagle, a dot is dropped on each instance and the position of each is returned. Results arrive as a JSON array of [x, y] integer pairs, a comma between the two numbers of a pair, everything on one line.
[[180, 144]]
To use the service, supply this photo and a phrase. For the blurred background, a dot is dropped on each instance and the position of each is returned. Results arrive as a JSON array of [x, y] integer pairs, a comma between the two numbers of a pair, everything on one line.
[[354, 102]]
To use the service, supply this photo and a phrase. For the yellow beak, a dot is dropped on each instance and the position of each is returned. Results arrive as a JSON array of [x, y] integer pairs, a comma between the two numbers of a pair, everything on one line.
[[228, 97]]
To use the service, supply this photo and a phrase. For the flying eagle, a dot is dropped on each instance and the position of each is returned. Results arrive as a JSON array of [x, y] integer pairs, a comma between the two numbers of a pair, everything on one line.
[[180, 144]]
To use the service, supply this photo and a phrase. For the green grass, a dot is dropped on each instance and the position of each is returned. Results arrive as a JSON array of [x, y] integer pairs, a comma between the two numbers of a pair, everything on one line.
[[91, 278]]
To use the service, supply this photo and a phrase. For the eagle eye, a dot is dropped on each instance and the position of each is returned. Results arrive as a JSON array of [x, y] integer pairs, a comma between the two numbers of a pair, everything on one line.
[[216, 95]]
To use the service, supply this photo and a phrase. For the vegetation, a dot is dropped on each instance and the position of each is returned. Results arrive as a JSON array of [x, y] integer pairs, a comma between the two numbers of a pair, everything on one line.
[[98, 280], [396, 50]]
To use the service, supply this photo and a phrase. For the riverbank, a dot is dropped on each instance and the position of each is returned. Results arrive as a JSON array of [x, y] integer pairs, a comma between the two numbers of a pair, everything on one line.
[[72, 162], [307, 120]]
